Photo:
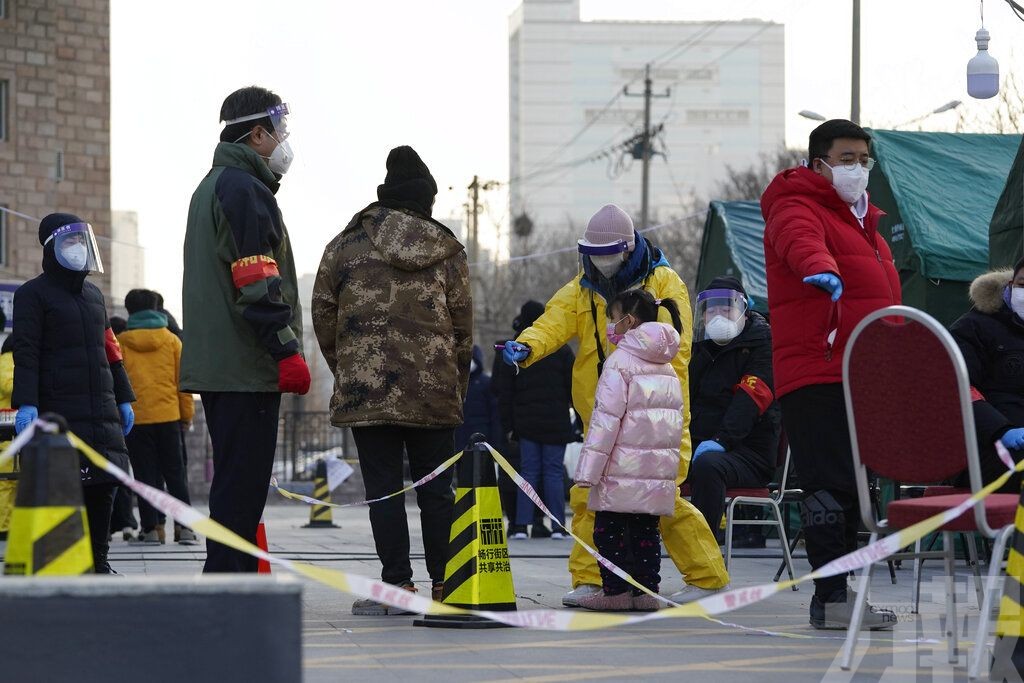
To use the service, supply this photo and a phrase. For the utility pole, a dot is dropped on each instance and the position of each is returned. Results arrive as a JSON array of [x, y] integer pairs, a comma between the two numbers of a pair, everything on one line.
[[855, 71], [646, 141], [474, 214]]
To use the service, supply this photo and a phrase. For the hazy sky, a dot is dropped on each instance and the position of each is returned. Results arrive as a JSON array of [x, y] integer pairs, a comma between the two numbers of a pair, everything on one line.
[[362, 77]]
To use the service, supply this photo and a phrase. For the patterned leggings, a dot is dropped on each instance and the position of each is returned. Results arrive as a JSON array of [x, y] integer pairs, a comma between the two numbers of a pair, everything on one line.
[[632, 542]]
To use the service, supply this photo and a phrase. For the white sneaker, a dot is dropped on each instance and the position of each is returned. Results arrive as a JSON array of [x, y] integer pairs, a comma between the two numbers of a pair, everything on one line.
[[572, 598], [559, 536], [691, 593], [518, 536]]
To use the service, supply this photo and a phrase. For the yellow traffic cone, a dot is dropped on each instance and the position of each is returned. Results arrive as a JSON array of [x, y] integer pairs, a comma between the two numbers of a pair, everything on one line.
[[320, 515], [478, 574], [49, 533], [1008, 653]]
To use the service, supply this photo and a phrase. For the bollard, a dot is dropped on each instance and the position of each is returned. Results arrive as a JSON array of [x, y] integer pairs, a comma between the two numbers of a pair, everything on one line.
[[49, 534], [320, 515], [478, 574]]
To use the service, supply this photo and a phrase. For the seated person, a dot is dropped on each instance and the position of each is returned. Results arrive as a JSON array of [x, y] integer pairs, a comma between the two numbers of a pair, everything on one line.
[[735, 420], [991, 339]]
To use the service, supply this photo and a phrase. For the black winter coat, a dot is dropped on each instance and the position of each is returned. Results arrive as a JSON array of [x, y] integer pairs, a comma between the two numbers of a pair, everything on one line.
[[535, 404], [480, 410], [732, 397], [61, 362]]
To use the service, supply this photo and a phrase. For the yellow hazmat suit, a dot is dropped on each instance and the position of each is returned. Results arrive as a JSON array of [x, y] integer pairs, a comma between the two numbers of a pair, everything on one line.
[[572, 312]]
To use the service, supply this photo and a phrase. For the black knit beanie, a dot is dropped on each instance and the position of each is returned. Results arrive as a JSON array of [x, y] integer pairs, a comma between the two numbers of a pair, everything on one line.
[[54, 221], [528, 315], [408, 181], [727, 282]]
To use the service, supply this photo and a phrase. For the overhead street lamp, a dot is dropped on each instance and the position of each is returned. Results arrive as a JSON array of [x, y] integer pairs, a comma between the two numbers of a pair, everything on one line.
[[948, 106], [812, 115]]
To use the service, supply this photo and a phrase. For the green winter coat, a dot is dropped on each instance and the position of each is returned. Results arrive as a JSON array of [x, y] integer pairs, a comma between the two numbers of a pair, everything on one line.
[[240, 297]]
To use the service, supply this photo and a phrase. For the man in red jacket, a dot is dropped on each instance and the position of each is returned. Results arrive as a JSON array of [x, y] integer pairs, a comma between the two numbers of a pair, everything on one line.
[[827, 268]]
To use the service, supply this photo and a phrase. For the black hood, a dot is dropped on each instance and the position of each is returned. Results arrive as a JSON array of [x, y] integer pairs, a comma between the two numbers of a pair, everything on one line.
[[68, 279]]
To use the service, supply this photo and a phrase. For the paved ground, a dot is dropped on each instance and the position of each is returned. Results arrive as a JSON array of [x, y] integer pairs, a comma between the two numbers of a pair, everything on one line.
[[338, 646]]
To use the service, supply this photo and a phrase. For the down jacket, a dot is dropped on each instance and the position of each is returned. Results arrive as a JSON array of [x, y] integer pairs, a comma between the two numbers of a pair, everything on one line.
[[631, 455], [393, 314], [152, 357], [809, 229]]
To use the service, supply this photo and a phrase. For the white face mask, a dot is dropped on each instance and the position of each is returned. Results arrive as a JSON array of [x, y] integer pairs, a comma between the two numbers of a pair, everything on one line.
[[721, 330], [608, 264], [472, 366], [850, 184], [1017, 301], [281, 158], [76, 256]]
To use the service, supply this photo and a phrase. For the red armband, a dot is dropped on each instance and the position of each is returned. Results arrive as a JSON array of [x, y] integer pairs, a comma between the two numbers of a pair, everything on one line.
[[112, 347], [976, 395], [250, 269], [758, 390]]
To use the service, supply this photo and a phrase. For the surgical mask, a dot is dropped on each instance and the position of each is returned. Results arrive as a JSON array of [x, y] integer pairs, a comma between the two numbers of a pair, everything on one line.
[[1017, 301], [850, 183], [472, 366], [608, 264], [613, 336], [281, 158], [721, 330], [76, 256]]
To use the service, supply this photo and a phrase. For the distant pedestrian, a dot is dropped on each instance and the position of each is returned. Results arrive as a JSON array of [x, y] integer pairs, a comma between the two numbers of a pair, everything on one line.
[[480, 409], [241, 345], [152, 357], [630, 456], [67, 361], [393, 313], [535, 404]]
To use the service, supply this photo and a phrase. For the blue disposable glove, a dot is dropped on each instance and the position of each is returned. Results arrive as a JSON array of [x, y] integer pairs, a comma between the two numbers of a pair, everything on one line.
[[127, 417], [514, 352], [1012, 439], [708, 446], [827, 281], [26, 416]]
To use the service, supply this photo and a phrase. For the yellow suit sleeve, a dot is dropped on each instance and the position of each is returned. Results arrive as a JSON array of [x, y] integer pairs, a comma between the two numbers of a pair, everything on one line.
[[555, 327]]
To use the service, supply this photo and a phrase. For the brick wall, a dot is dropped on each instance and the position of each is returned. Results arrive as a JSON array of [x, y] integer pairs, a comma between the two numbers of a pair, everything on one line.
[[55, 55]]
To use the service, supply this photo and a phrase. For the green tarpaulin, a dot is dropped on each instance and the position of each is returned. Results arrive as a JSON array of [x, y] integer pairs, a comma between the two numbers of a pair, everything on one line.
[[1006, 232], [938, 190]]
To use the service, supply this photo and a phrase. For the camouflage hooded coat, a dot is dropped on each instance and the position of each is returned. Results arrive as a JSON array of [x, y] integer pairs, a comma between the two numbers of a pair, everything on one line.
[[393, 314]]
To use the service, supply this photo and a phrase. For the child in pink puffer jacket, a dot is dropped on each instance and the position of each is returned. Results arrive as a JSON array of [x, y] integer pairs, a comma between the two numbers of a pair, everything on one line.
[[631, 455]]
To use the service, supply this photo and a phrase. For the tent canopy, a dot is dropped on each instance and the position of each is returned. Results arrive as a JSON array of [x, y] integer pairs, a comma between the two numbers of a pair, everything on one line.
[[733, 244], [1006, 232]]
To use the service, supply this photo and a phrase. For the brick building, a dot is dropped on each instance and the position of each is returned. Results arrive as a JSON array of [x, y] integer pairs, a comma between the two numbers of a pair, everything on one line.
[[54, 124]]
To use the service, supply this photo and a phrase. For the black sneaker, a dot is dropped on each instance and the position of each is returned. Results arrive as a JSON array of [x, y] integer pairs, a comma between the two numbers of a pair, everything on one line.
[[517, 532], [836, 613], [540, 531]]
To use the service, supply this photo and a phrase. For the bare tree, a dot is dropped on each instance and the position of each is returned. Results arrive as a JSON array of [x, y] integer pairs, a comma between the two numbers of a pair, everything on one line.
[[1006, 117], [750, 182]]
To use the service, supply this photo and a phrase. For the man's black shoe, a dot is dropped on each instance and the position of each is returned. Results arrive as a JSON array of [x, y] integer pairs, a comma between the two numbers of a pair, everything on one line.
[[836, 613]]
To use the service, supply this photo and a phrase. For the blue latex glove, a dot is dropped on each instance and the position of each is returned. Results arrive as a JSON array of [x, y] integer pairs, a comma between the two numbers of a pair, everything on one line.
[[514, 352], [708, 446], [127, 417], [827, 281], [26, 416], [1012, 439]]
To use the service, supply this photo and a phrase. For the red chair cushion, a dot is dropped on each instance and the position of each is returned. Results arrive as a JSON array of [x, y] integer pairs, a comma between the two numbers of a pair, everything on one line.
[[1000, 509], [748, 493], [938, 490]]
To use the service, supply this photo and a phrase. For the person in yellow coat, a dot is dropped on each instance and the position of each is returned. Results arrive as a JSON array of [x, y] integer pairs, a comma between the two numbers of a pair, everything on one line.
[[7, 486], [615, 258]]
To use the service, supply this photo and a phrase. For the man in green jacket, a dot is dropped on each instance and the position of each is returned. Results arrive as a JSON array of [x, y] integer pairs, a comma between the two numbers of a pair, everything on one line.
[[242, 341]]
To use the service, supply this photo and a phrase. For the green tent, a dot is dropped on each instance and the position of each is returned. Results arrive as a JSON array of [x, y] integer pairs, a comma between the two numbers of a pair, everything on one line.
[[938, 190], [733, 245], [1006, 232]]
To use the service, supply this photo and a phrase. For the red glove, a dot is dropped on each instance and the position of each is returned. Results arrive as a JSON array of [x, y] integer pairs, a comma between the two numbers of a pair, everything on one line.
[[292, 375]]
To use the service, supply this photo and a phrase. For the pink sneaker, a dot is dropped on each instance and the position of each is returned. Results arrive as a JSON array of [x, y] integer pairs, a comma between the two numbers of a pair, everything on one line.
[[599, 602]]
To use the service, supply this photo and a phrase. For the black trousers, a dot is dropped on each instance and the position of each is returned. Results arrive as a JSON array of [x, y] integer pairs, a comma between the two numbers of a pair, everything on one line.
[[633, 543], [713, 473], [155, 452], [243, 431], [123, 514], [814, 418], [380, 459], [99, 500]]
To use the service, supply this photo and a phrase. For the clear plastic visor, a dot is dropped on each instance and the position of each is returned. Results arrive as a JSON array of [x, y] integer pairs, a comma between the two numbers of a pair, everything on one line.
[[278, 116], [75, 247], [727, 305]]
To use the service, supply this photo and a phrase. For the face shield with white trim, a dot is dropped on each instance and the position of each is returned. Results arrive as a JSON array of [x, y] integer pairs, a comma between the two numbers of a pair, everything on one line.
[[719, 315], [278, 115], [607, 258], [75, 247]]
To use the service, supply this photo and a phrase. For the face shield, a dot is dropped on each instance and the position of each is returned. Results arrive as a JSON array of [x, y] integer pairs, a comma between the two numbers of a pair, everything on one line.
[[74, 245], [278, 116], [607, 258], [719, 315]]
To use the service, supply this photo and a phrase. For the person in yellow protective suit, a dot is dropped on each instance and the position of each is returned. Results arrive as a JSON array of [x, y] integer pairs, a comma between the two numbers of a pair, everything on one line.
[[7, 486], [614, 258]]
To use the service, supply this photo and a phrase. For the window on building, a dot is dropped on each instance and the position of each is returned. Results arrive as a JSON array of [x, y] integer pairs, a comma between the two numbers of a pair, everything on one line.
[[4, 89], [3, 238]]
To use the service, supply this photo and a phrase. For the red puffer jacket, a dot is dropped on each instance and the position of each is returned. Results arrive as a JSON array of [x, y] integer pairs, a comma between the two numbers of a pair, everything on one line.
[[809, 229]]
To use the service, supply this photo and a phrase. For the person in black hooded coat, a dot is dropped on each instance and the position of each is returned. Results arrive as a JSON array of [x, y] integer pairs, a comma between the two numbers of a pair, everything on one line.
[[480, 409], [67, 361]]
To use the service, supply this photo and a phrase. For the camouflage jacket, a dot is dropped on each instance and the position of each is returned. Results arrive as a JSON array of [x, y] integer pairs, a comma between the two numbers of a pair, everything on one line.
[[393, 314]]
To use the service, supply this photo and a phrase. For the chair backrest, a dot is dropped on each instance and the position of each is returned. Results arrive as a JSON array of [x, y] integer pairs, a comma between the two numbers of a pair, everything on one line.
[[907, 401]]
